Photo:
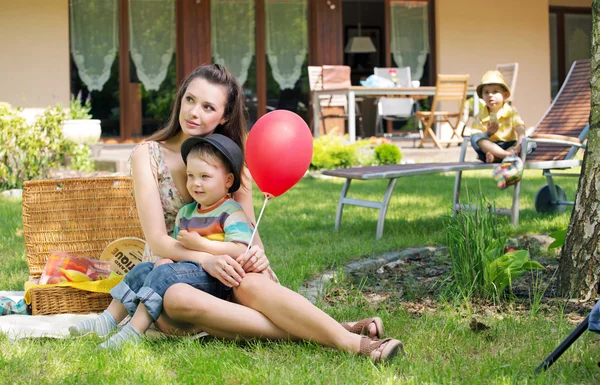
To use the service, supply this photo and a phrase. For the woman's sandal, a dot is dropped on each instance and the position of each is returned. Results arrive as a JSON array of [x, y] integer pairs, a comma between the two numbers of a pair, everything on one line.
[[363, 327], [390, 350]]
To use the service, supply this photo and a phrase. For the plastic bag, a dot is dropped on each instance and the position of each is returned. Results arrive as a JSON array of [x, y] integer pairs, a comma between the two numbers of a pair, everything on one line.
[[377, 82], [64, 267]]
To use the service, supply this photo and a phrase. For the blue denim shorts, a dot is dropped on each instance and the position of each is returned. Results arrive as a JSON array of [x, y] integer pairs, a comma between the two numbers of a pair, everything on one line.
[[148, 285], [531, 146], [482, 135]]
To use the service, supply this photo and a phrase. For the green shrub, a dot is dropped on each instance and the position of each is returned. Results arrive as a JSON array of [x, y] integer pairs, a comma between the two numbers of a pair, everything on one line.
[[387, 153], [31, 151], [480, 266], [332, 151], [365, 154]]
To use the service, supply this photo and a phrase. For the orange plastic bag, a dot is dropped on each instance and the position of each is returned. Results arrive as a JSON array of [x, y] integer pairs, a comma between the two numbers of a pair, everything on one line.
[[64, 267]]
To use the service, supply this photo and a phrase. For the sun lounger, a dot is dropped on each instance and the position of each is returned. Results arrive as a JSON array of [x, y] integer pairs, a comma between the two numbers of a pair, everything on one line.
[[559, 134]]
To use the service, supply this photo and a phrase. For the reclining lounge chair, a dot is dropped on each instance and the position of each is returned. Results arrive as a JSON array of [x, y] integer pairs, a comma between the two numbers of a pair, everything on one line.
[[559, 134]]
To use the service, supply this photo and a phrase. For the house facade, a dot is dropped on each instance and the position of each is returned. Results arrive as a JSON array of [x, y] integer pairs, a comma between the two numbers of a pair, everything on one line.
[[131, 54]]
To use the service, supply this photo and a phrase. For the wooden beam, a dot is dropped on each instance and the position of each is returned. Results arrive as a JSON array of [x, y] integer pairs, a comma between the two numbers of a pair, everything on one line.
[[193, 35], [261, 58], [326, 36]]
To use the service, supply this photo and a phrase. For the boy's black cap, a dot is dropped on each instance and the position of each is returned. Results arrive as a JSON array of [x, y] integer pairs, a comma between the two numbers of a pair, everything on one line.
[[226, 146]]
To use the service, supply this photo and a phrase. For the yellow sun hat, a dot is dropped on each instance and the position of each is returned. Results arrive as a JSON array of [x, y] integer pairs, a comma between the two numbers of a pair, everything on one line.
[[492, 77]]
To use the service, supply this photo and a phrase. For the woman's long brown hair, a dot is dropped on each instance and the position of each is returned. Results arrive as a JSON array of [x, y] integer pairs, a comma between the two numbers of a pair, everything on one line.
[[235, 126]]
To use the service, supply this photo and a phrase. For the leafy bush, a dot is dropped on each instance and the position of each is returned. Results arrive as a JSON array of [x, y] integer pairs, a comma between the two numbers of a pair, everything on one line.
[[480, 266], [387, 154], [31, 151], [332, 151]]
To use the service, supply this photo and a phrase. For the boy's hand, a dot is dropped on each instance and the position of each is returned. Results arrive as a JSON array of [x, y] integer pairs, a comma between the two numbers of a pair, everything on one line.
[[492, 128], [516, 148], [191, 240]]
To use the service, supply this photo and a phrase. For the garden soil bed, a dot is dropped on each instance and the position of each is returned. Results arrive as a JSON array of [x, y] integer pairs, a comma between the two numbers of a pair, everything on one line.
[[419, 284]]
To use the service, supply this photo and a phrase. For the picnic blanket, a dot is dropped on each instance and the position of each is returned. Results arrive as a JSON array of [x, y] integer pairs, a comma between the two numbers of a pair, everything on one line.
[[17, 326]]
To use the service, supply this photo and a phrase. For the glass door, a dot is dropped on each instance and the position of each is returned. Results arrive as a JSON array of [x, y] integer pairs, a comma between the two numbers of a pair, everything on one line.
[[570, 40], [123, 58]]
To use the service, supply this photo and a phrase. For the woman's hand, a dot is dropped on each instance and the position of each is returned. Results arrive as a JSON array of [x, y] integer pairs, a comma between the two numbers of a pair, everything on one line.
[[254, 260], [225, 269]]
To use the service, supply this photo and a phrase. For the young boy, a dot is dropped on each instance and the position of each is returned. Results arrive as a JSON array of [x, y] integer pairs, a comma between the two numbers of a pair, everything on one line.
[[214, 223], [497, 130]]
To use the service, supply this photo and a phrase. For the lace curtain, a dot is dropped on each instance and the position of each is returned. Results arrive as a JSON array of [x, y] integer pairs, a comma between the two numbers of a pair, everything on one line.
[[286, 30], [151, 39], [410, 35], [232, 35], [94, 35]]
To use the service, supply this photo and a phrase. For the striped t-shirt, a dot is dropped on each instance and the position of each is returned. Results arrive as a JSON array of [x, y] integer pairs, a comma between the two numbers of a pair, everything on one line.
[[225, 222]]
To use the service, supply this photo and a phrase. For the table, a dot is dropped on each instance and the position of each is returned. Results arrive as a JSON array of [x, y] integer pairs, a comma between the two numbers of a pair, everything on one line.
[[371, 92]]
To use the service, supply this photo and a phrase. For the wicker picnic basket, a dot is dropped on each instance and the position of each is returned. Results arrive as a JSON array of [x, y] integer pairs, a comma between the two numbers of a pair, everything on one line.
[[80, 216]]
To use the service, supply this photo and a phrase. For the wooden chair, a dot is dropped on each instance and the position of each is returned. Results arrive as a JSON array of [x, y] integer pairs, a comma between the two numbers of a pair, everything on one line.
[[509, 71], [333, 108], [449, 89]]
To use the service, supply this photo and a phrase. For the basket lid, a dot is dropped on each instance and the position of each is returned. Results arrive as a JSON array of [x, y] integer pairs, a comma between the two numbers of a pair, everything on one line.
[[123, 254]]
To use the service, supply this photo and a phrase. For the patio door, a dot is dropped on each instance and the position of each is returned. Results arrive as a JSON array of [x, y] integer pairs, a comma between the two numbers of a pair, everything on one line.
[[570, 39], [123, 57], [264, 43]]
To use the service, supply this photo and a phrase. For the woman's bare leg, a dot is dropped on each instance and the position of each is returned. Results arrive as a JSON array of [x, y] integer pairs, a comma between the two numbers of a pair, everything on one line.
[[189, 310], [266, 310], [290, 311]]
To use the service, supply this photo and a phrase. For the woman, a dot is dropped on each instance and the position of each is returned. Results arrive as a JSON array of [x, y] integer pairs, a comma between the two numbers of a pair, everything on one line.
[[210, 101]]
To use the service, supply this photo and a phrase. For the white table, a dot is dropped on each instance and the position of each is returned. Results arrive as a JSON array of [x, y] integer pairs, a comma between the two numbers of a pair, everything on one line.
[[370, 92]]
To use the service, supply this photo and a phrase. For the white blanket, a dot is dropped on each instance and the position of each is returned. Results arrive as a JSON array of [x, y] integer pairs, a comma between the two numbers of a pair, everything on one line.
[[53, 326], [25, 326]]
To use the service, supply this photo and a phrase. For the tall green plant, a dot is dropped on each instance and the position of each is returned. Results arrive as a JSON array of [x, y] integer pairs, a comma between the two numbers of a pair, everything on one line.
[[480, 267], [80, 108]]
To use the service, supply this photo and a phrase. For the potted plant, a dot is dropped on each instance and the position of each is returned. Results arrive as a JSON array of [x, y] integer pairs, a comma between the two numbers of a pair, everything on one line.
[[81, 128]]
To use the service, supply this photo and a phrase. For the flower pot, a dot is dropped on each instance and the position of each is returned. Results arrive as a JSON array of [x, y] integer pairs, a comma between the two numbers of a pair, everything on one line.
[[82, 130]]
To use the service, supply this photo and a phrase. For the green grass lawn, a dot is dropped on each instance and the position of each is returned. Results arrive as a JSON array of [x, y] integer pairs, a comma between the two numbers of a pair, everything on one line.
[[297, 229]]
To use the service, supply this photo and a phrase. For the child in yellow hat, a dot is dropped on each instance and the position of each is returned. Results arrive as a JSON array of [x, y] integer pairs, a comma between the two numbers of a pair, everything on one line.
[[497, 130]]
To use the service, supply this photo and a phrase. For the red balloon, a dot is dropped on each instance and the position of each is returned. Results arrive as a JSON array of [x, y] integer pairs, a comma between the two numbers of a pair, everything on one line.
[[279, 151]]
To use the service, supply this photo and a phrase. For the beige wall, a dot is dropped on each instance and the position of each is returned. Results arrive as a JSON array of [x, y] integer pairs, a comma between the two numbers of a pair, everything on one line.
[[571, 3], [34, 68], [470, 41]]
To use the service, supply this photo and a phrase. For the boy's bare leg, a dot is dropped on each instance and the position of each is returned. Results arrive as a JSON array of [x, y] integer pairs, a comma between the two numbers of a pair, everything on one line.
[[104, 324], [133, 331], [491, 149]]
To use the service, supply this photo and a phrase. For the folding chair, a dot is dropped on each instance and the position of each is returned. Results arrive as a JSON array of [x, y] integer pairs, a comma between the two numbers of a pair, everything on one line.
[[396, 109], [449, 89]]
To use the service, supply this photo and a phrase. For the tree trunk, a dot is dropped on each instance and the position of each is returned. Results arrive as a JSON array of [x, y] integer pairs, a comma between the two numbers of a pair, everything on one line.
[[579, 269]]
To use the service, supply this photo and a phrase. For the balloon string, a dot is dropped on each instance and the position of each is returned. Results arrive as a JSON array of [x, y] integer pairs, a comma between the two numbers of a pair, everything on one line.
[[267, 197]]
